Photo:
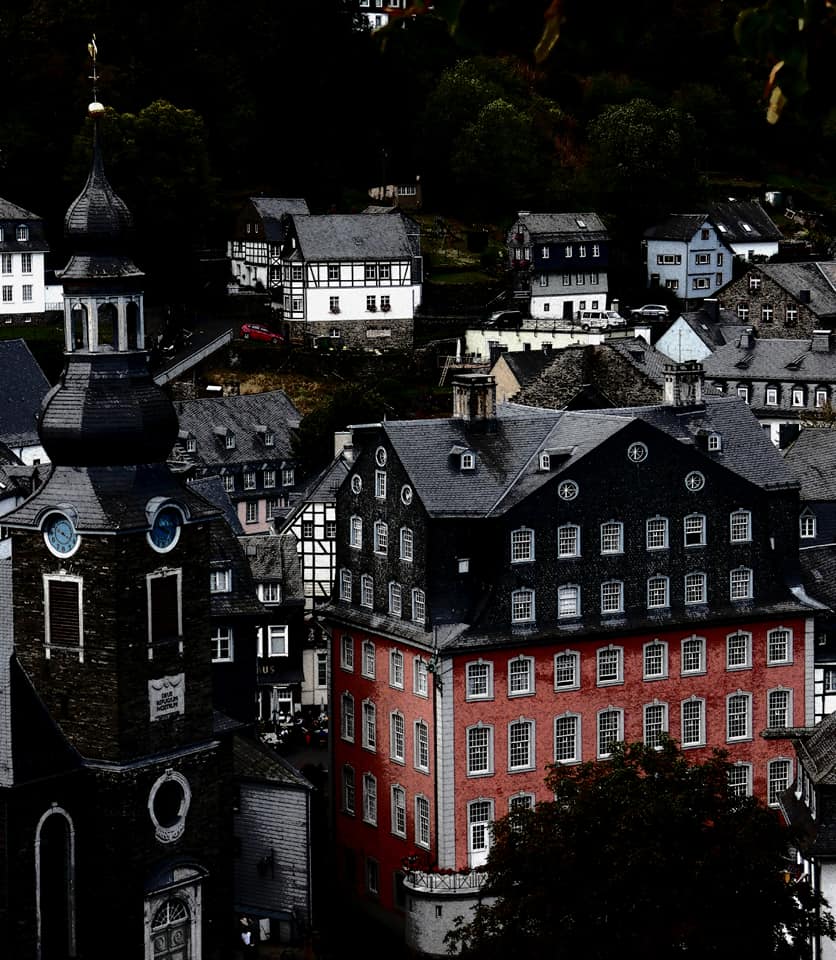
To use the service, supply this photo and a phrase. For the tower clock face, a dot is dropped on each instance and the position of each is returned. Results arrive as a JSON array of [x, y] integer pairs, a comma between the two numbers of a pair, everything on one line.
[[60, 535], [165, 530]]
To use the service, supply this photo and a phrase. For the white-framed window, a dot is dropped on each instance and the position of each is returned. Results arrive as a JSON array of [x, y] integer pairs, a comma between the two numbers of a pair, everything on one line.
[[658, 592], [380, 484], [270, 592], [419, 613], [779, 777], [397, 737], [277, 634], [229, 440], [307, 529], [395, 601], [772, 396], [479, 680], [821, 397], [479, 818], [702, 258], [544, 279], [384, 270], [366, 590], [422, 821], [655, 723], [612, 537], [420, 676], [740, 583], [754, 282], [569, 540], [797, 397], [369, 725], [347, 717], [693, 722], [345, 584], [522, 545], [370, 805], [569, 600], [779, 646], [296, 272], [520, 676], [743, 393], [27, 292], [288, 476], [333, 271], [766, 313], [220, 581], [372, 866], [568, 489], [521, 745], [407, 542], [368, 661], [791, 315], [610, 730], [740, 779], [739, 651], [479, 750], [655, 660], [567, 670], [467, 461], [348, 791], [656, 533], [715, 442], [330, 529], [609, 665], [22, 233], [807, 525], [222, 645], [520, 801], [251, 511], [612, 596], [694, 530], [692, 655], [381, 537], [740, 526], [347, 652], [355, 534], [567, 738], [422, 746], [522, 606], [334, 304], [165, 609], [5, 263], [249, 479], [268, 477], [8, 296], [398, 809], [396, 669], [696, 588], [739, 716], [356, 483], [779, 708], [567, 251], [701, 283], [370, 272]]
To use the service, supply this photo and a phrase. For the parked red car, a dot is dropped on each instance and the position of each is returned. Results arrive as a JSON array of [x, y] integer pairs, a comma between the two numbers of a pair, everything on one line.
[[255, 331]]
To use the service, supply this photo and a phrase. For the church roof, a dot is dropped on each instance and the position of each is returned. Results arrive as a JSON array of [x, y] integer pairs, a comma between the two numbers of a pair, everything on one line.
[[23, 387]]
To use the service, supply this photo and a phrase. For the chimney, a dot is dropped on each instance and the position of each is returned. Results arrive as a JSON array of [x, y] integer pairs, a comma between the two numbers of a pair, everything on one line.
[[747, 339], [820, 342], [711, 305], [474, 397], [683, 384], [803, 296]]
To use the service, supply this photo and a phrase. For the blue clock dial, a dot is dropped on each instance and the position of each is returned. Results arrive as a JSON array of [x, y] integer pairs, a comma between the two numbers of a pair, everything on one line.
[[61, 535], [165, 529]]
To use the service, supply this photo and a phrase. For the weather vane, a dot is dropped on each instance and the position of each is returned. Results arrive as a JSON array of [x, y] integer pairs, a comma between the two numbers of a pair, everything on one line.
[[95, 108]]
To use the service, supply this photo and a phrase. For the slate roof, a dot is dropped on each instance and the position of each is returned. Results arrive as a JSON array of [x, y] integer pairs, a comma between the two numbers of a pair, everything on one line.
[[770, 358], [11, 215], [242, 415], [714, 333], [678, 226], [817, 750], [818, 568], [252, 760], [212, 488], [275, 557], [352, 236], [732, 214], [818, 278], [272, 209], [23, 387], [526, 365], [507, 455], [11, 211], [563, 226], [644, 357], [811, 459]]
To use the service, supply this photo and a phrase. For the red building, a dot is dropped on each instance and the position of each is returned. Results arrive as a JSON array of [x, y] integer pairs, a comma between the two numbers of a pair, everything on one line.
[[524, 587]]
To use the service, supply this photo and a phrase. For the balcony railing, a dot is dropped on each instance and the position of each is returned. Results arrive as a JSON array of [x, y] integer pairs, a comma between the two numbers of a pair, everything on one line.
[[434, 882]]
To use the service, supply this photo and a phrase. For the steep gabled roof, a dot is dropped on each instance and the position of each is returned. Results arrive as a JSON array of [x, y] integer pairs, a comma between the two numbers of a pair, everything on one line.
[[347, 236], [811, 459], [678, 226], [732, 218], [714, 333], [11, 211], [23, 387], [563, 226], [272, 209], [818, 278]]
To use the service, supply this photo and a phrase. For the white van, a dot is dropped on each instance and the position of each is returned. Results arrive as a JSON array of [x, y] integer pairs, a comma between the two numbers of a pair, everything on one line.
[[599, 319]]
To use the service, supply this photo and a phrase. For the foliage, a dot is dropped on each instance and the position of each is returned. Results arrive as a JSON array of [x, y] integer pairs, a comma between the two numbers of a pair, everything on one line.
[[649, 852]]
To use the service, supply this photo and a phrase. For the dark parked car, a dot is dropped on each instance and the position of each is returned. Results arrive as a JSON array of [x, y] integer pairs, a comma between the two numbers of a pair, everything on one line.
[[255, 331]]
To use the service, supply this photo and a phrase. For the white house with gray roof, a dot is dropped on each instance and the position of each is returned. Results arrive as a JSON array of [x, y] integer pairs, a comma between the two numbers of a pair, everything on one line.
[[353, 279], [23, 249], [688, 255], [255, 248]]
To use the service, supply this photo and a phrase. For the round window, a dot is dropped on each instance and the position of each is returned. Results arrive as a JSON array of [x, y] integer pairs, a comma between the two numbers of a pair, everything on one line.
[[168, 804], [694, 480], [406, 494], [380, 456], [356, 483], [637, 452], [567, 490]]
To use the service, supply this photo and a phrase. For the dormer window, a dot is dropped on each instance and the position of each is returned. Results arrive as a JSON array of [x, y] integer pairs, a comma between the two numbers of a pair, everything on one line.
[[468, 461], [715, 441], [22, 233], [545, 461], [269, 439], [191, 444]]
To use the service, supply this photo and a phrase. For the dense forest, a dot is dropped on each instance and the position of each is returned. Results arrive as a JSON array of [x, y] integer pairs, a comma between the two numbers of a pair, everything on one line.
[[633, 109]]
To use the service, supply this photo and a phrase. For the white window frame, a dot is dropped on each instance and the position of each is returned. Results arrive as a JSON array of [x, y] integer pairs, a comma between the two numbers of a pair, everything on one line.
[[370, 800], [692, 581], [396, 669], [771, 397], [735, 716], [369, 733], [345, 584], [741, 583], [662, 672], [771, 659], [565, 593], [355, 532], [689, 646], [521, 676], [397, 737], [347, 652], [659, 600], [220, 581], [278, 638], [739, 652], [381, 537], [349, 791], [654, 729], [807, 524], [699, 703], [602, 745], [407, 544], [521, 745], [612, 596], [380, 484], [612, 537], [368, 660], [270, 592], [656, 533], [423, 825], [420, 677], [568, 540], [609, 666], [572, 735], [395, 599], [249, 480], [566, 678], [523, 605], [522, 545], [694, 530], [479, 747], [785, 694], [740, 779], [419, 606], [222, 645], [347, 716], [422, 746], [775, 784], [479, 680], [740, 526], [398, 810]]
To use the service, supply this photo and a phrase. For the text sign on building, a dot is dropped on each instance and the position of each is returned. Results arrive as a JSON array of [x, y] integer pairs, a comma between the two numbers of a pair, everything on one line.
[[167, 696]]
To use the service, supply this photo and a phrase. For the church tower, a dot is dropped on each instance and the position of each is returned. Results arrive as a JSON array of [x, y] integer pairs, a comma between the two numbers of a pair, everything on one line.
[[110, 621]]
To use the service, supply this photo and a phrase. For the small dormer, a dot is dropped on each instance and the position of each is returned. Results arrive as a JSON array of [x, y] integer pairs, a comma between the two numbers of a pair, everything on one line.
[[188, 440], [550, 457], [226, 435], [545, 460], [464, 457], [265, 435]]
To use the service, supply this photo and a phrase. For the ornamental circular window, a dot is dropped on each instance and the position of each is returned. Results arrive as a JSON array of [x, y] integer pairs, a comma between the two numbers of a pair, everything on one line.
[[567, 490], [356, 483], [406, 494], [380, 456], [168, 804], [637, 452], [694, 480]]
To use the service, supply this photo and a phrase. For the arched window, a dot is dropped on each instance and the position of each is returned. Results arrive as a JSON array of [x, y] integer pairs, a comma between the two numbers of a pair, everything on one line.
[[108, 327], [55, 885], [170, 931]]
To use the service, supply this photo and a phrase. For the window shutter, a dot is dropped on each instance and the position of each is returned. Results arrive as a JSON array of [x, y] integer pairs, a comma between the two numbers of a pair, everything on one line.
[[165, 623], [64, 620]]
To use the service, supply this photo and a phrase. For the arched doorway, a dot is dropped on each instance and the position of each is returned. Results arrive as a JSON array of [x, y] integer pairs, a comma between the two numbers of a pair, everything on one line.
[[170, 931], [55, 878]]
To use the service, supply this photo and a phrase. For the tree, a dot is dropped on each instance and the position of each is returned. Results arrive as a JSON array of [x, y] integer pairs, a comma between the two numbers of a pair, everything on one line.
[[646, 854]]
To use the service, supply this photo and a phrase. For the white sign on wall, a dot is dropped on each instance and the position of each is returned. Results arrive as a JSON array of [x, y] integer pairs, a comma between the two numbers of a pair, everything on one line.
[[167, 696]]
